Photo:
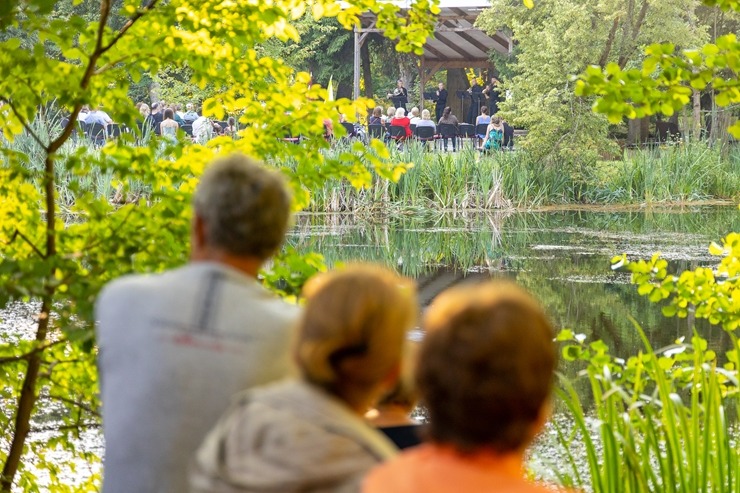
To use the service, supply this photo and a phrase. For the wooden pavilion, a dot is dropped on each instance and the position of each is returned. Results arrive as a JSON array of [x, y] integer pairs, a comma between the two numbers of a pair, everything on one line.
[[455, 43]]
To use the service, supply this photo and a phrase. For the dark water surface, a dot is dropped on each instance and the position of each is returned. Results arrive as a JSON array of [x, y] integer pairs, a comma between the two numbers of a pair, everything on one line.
[[562, 257]]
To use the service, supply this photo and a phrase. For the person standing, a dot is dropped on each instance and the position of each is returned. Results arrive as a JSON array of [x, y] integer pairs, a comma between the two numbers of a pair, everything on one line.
[[174, 347], [493, 93], [485, 375], [308, 435], [399, 96], [441, 101], [476, 93]]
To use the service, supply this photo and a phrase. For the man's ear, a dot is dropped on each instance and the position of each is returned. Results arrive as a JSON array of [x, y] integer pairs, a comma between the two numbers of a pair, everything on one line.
[[199, 233]]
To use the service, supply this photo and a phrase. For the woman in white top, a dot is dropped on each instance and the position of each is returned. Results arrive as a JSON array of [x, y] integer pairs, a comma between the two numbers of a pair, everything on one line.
[[414, 115], [169, 126]]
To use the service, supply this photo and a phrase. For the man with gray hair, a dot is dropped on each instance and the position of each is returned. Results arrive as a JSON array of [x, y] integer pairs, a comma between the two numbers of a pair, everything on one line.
[[175, 346]]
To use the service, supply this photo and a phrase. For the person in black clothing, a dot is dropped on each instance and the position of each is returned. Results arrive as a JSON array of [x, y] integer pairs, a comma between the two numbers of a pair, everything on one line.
[[493, 93], [392, 413], [476, 91], [157, 116], [399, 96], [441, 101]]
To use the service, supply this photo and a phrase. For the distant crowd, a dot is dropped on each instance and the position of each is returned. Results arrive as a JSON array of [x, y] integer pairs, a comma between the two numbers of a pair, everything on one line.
[[210, 383], [165, 120]]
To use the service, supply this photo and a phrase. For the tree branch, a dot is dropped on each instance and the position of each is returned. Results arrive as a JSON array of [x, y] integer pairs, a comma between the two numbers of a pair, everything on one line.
[[18, 233], [77, 427], [25, 356], [24, 123], [609, 43], [138, 15], [73, 402]]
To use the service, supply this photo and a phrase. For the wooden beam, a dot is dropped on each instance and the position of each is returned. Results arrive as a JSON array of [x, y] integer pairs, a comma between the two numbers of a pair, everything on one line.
[[432, 66], [457, 63], [437, 54], [452, 46], [502, 42], [467, 37]]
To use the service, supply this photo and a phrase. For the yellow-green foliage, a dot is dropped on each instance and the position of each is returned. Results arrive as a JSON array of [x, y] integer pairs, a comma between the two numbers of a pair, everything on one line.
[[713, 293]]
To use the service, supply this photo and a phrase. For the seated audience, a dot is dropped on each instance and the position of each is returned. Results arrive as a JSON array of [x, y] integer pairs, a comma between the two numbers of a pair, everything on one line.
[[377, 117], [308, 434], [494, 135], [157, 116], [328, 129], [414, 115], [426, 120], [231, 127], [483, 119], [169, 126], [448, 119], [147, 124], [401, 120], [204, 129], [485, 375], [392, 414], [190, 115], [390, 113], [98, 116], [83, 114]]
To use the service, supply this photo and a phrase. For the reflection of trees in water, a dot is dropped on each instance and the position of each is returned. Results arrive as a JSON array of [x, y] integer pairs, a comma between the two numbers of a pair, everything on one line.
[[562, 257]]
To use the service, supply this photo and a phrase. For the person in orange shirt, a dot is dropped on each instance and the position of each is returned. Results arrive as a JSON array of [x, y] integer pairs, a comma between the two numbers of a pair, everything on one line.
[[485, 374]]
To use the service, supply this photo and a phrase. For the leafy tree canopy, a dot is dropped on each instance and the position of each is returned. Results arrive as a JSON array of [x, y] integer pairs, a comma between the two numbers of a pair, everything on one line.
[[664, 82]]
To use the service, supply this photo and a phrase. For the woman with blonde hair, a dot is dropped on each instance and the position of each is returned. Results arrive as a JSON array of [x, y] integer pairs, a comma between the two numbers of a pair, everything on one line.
[[485, 375], [308, 434]]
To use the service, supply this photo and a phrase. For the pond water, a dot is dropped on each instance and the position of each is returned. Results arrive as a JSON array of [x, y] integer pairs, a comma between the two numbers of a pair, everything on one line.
[[562, 257]]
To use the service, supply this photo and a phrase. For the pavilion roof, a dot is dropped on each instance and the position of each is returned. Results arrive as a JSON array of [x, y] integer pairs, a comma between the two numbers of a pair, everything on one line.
[[456, 42]]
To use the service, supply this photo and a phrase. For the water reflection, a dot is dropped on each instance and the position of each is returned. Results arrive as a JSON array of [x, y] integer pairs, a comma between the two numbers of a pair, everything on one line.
[[563, 257]]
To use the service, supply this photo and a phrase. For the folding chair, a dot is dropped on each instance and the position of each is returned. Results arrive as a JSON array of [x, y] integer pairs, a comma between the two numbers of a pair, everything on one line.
[[375, 131], [114, 130], [480, 133], [424, 134], [398, 133], [448, 131], [467, 132], [350, 128], [96, 133]]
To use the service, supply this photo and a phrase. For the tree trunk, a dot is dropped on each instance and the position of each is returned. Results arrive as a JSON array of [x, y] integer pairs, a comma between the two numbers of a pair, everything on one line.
[[367, 74], [28, 396], [638, 131], [696, 117]]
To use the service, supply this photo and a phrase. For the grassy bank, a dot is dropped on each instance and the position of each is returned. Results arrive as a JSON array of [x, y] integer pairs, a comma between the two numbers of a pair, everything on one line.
[[468, 180]]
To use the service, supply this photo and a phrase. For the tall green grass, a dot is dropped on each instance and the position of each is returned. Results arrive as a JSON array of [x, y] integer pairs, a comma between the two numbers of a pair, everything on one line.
[[662, 421], [676, 173], [468, 180], [465, 180]]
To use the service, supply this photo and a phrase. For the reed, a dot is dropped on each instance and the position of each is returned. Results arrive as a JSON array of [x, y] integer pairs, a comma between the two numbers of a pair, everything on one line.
[[662, 421], [464, 180]]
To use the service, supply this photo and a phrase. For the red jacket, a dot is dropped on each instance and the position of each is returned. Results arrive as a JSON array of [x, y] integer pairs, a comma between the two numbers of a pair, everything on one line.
[[402, 122]]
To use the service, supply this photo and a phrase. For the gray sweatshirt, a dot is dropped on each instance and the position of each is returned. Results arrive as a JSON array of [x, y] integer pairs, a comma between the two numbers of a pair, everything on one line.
[[288, 437], [174, 348]]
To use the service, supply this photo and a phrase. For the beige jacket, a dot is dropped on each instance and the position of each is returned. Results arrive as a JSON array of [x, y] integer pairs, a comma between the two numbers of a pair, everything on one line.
[[288, 437]]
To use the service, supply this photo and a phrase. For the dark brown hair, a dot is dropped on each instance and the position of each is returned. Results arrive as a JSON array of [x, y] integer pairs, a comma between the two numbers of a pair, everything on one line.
[[486, 367]]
